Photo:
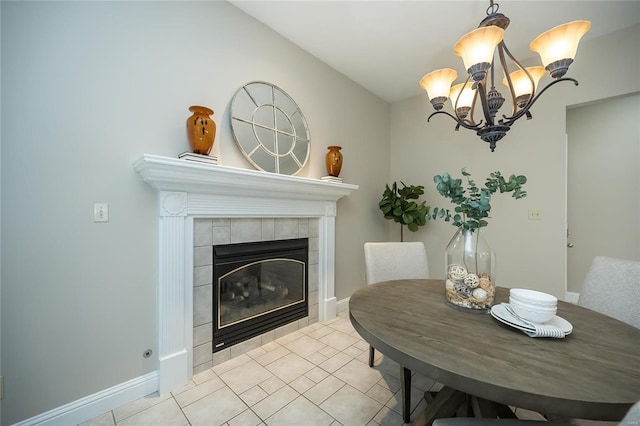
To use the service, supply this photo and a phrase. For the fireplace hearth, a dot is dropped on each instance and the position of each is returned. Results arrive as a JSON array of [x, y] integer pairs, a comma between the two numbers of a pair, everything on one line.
[[258, 287]]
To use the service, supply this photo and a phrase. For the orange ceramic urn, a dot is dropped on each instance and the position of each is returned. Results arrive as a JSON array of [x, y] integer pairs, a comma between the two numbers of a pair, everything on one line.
[[334, 160], [201, 130]]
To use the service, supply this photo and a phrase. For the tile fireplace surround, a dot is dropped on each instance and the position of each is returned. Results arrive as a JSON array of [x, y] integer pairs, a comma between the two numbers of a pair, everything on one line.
[[188, 191], [211, 232]]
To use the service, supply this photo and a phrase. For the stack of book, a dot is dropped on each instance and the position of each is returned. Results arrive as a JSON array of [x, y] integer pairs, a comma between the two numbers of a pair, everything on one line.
[[333, 179], [209, 159]]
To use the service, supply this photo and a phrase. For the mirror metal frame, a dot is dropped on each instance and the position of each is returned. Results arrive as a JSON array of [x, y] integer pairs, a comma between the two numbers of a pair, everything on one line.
[[269, 128]]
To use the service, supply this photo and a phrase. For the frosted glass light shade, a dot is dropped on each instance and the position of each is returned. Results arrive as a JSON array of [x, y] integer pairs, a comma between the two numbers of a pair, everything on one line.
[[466, 98], [560, 42], [521, 83], [477, 47], [438, 83]]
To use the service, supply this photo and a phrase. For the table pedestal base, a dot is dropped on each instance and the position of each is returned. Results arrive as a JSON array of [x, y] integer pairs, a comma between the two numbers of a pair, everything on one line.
[[449, 402]]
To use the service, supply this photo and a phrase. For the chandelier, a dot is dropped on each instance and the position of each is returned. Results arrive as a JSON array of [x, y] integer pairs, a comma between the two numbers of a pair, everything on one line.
[[556, 47]]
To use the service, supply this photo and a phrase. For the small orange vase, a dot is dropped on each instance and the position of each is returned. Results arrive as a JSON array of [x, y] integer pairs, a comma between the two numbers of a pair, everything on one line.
[[201, 130], [334, 160]]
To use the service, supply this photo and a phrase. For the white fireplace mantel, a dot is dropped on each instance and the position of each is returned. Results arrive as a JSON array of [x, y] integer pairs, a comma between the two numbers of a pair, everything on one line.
[[188, 189]]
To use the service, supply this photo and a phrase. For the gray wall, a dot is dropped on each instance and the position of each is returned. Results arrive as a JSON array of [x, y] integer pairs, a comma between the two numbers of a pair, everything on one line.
[[87, 88], [530, 253], [0, 230]]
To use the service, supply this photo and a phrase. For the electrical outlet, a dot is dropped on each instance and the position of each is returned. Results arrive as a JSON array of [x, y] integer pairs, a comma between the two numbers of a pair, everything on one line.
[[535, 215], [101, 212]]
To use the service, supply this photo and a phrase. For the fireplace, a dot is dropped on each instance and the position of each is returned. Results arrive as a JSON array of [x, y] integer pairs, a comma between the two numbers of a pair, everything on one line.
[[187, 190], [258, 287]]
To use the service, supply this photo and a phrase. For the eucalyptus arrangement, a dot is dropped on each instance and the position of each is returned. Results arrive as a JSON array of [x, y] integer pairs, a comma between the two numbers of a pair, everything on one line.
[[398, 204], [475, 206], [470, 282]]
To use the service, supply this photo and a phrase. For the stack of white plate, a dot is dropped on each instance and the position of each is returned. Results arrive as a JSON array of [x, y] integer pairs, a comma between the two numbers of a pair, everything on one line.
[[534, 306]]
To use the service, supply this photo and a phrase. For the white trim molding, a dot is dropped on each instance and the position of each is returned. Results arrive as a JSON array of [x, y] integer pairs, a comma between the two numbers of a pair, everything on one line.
[[93, 405], [343, 305], [173, 174], [188, 189], [571, 297]]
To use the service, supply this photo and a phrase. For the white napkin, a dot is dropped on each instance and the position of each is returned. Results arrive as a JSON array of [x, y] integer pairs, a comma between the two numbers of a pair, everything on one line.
[[539, 330], [546, 331]]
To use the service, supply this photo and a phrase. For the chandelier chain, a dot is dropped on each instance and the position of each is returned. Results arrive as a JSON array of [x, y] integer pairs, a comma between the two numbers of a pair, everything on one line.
[[493, 8]]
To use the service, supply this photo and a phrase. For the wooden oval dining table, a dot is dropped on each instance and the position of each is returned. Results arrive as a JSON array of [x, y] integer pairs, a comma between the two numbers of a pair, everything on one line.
[[592, 373]]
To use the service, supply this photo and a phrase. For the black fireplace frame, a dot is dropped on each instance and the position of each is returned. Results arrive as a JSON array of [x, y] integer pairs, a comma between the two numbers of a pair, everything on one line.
[[229, 256]]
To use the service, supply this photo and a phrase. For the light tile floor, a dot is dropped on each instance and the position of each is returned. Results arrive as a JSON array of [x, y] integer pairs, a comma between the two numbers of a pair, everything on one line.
[[318, 375]]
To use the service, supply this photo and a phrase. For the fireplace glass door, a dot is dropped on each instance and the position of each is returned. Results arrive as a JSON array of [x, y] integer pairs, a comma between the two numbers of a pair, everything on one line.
[[258, 287]]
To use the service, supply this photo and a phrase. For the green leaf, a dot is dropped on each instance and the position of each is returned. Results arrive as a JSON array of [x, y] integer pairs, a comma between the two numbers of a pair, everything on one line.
[[473, 204], [397, 204]]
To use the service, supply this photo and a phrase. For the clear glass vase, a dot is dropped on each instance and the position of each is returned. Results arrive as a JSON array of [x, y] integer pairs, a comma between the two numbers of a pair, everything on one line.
[[471, 261]]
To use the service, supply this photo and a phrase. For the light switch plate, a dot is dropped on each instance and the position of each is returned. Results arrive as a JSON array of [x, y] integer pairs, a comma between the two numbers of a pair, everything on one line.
[[101, 212], [535, 215]]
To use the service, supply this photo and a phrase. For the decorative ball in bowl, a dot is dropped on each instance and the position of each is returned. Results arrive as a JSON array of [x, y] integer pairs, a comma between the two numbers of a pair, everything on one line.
[[532, 313]]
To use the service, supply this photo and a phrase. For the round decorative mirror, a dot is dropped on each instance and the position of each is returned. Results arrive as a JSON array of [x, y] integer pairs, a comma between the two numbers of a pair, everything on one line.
[[269, 128]]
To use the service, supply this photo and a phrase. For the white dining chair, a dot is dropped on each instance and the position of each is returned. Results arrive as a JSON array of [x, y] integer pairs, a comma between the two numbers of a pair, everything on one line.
[[612, 287], [476, 421], [632, 418], [395, 261], [391, 261]]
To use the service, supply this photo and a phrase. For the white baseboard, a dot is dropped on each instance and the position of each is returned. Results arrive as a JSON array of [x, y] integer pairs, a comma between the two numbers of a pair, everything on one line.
[[571, 297], [342, 305], [329, 309], [100, 402], [171, 374]]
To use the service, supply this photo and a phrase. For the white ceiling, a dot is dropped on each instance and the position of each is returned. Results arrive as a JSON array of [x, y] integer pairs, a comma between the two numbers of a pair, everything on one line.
[[387, 46]]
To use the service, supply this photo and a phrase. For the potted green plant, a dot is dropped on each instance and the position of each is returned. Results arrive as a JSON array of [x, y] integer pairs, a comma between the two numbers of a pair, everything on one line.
[[470, 279], [398, 204]]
